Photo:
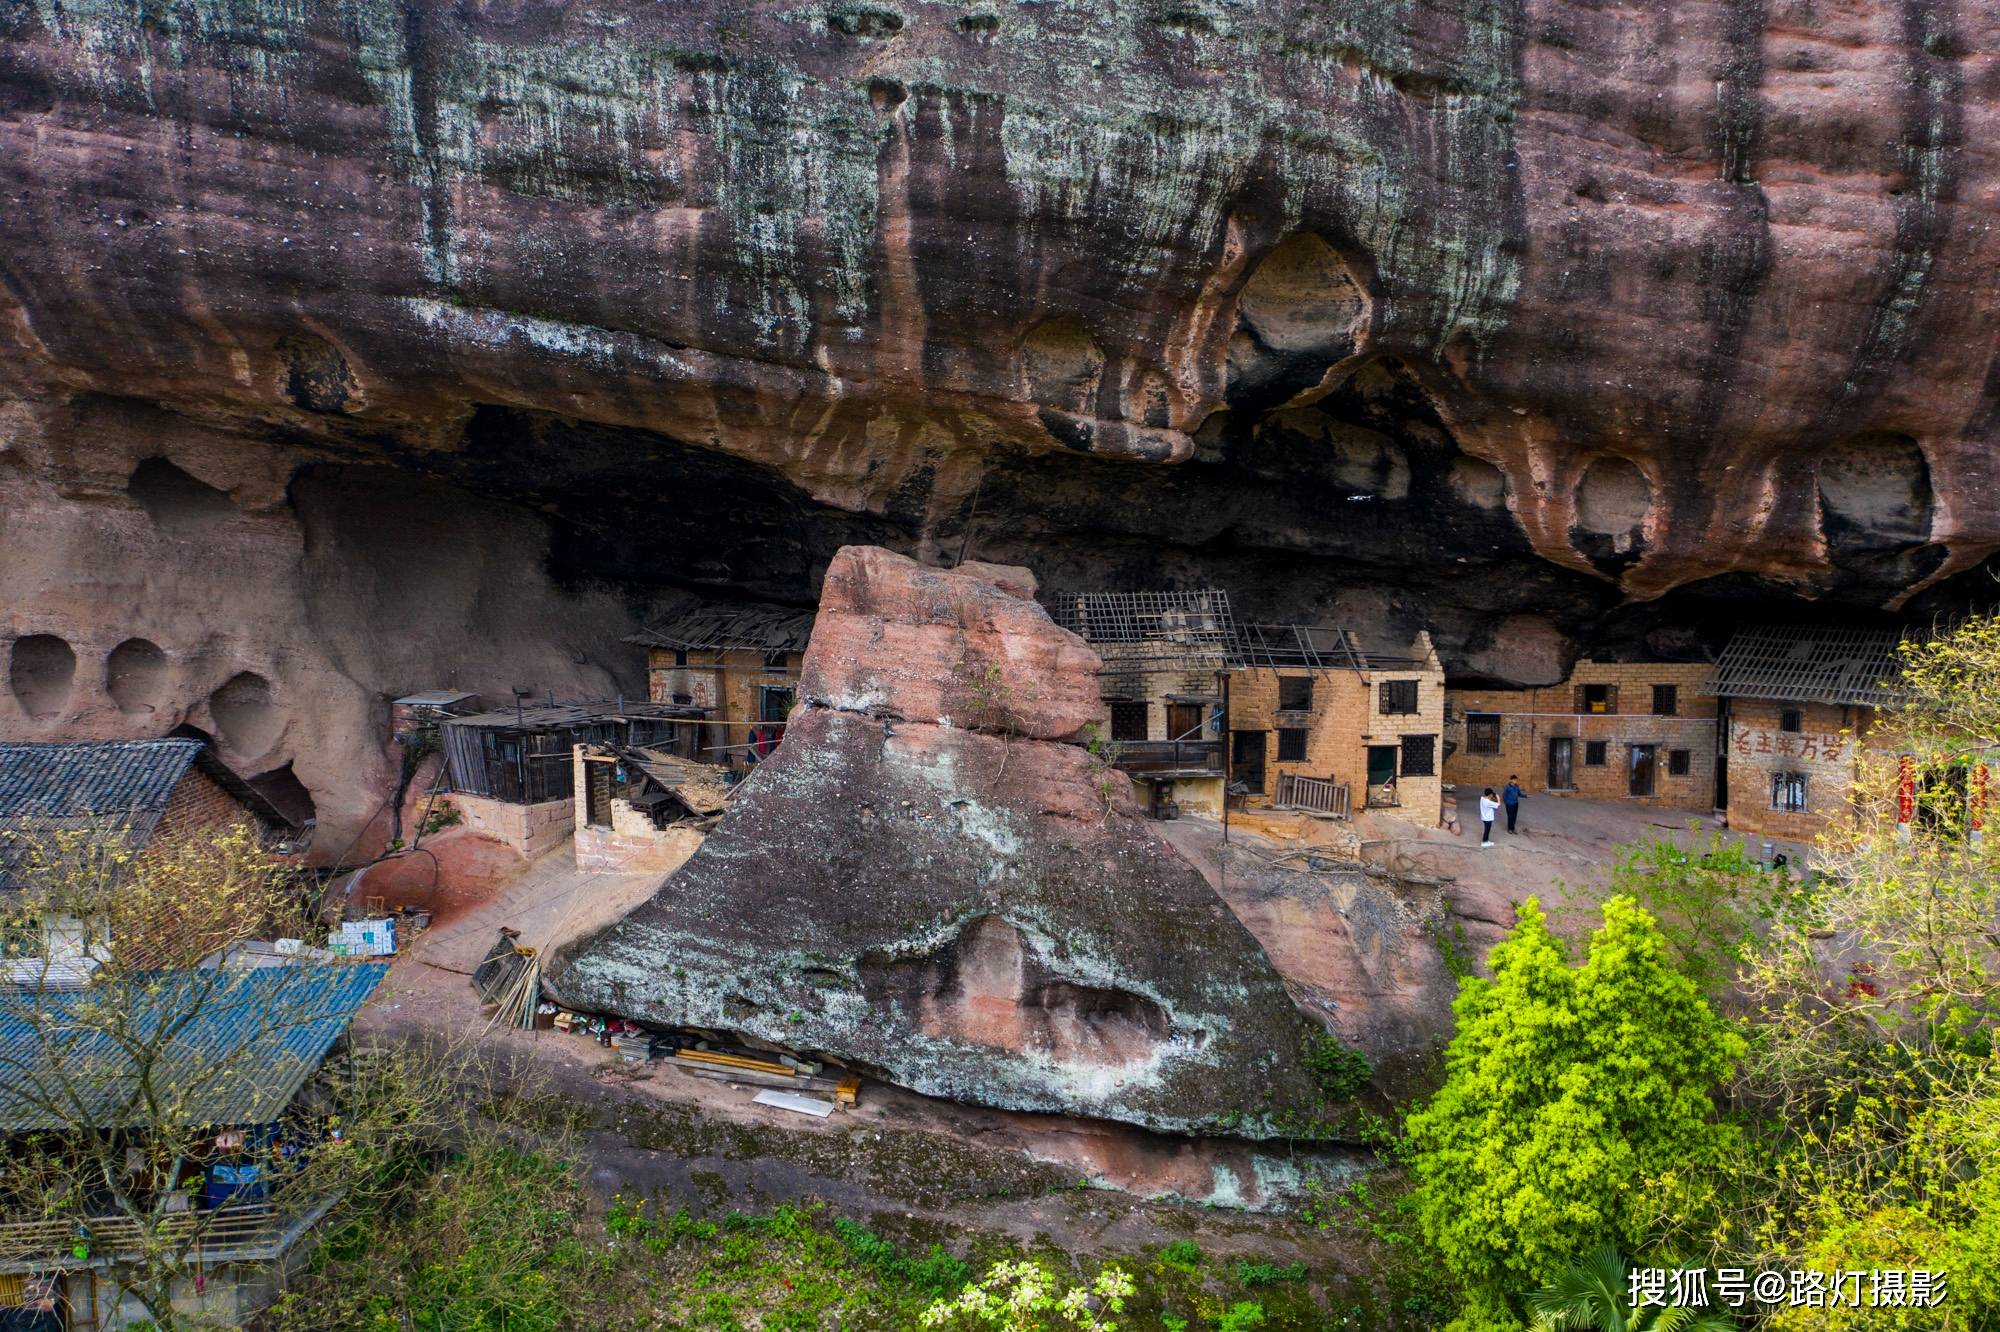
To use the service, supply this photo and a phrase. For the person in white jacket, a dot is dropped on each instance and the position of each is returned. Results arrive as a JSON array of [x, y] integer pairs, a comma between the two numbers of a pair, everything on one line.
[[1489, 809]]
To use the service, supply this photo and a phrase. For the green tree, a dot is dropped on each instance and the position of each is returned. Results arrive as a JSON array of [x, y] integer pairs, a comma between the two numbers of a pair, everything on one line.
[[1709, 899], [1874, 1060], [1573, 1097]]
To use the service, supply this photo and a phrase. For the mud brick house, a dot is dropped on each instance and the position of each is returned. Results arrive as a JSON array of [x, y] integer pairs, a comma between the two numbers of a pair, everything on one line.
[[1638, 731], [513, 773], [1795, 701], [1316, 722], [1165, 657], [642, 809], [738, 663], [135, 793]]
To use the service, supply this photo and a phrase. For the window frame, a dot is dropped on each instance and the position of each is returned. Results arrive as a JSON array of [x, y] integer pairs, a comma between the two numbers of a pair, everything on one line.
[[1391, 692], [1680, 762], [1291, 685], [1607, 695], [1487, 723], [1429, 755], [1127, 708], [1597, 753], [1289, 737], [1786, 780], [1671, 693], [1791, 721]]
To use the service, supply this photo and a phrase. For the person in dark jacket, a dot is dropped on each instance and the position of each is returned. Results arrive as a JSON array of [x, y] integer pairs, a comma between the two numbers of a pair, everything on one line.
[[1511, 798]]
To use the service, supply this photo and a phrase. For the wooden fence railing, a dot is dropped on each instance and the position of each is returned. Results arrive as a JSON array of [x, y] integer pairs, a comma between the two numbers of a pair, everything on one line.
[[1144, 756], [244, 1230], [1317, 795]]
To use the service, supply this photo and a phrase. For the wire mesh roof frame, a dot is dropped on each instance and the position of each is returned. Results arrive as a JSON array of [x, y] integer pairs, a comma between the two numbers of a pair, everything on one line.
[[1810, 665], [1309, 647], [1193, 619]]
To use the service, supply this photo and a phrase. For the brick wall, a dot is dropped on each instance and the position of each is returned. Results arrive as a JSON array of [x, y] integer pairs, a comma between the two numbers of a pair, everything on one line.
[[1344, 721], [729, 683], [1150, 672], [1822, 749], [651, 850], [529, 829], [198, 807], [1531, 718]]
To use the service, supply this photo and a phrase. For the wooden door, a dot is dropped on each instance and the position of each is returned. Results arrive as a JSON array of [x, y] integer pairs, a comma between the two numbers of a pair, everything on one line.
[[1641, 767], [1562, 758], [1185, 722]]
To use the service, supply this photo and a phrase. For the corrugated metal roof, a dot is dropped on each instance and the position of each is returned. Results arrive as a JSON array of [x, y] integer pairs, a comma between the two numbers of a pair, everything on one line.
[[94, 777], [723, 626], [435, 698], [234, 1047], [568, 716], [1810, 665]]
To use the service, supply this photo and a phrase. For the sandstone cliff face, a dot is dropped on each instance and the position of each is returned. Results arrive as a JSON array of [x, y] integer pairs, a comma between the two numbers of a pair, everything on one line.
[[978, 914], [1537, 321]]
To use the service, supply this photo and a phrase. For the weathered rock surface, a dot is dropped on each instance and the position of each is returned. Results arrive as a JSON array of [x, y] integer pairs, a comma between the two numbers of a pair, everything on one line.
[[978, 916], [1538, 321], [966, 648]]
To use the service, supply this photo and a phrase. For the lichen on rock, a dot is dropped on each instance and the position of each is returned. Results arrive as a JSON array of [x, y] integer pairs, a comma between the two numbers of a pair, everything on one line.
[[970, 911]]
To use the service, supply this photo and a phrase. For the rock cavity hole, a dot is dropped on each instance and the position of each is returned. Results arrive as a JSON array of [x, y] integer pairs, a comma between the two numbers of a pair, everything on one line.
[[135, 675], [40, 670], [179, 504], [1613, 498], [245, 712]]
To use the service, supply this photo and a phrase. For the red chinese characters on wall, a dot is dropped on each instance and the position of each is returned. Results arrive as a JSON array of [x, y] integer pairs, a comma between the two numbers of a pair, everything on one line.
[[1807, 746]]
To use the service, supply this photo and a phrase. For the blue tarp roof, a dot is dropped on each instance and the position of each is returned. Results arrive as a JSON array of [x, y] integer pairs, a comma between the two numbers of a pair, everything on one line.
[[214, 1047]]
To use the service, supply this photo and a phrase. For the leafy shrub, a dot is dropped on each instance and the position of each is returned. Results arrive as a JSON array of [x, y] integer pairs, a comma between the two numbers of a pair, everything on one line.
[[1340, 1070], [1569, 1096], [1253, 1275]]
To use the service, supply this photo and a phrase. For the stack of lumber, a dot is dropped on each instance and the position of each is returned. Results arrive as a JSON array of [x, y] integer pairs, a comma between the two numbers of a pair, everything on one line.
[[756, 1071]]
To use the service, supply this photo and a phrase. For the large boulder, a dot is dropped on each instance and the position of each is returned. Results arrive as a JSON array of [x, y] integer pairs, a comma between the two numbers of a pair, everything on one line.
[[895, 639], [974, 915]]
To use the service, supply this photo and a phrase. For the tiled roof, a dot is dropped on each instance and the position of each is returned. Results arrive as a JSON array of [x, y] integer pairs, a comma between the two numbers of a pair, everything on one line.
[[1810, 665], [720, 626], [95, 777], [235, 1046]]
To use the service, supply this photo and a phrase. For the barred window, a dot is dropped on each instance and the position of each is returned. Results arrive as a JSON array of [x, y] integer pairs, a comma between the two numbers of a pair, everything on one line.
[[1788, 792], [1680, 762], [1593, 753], [1292, 744], [1295, 693], [1419, 755], [1666, 700], [1482, 733], [1398, 697]]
